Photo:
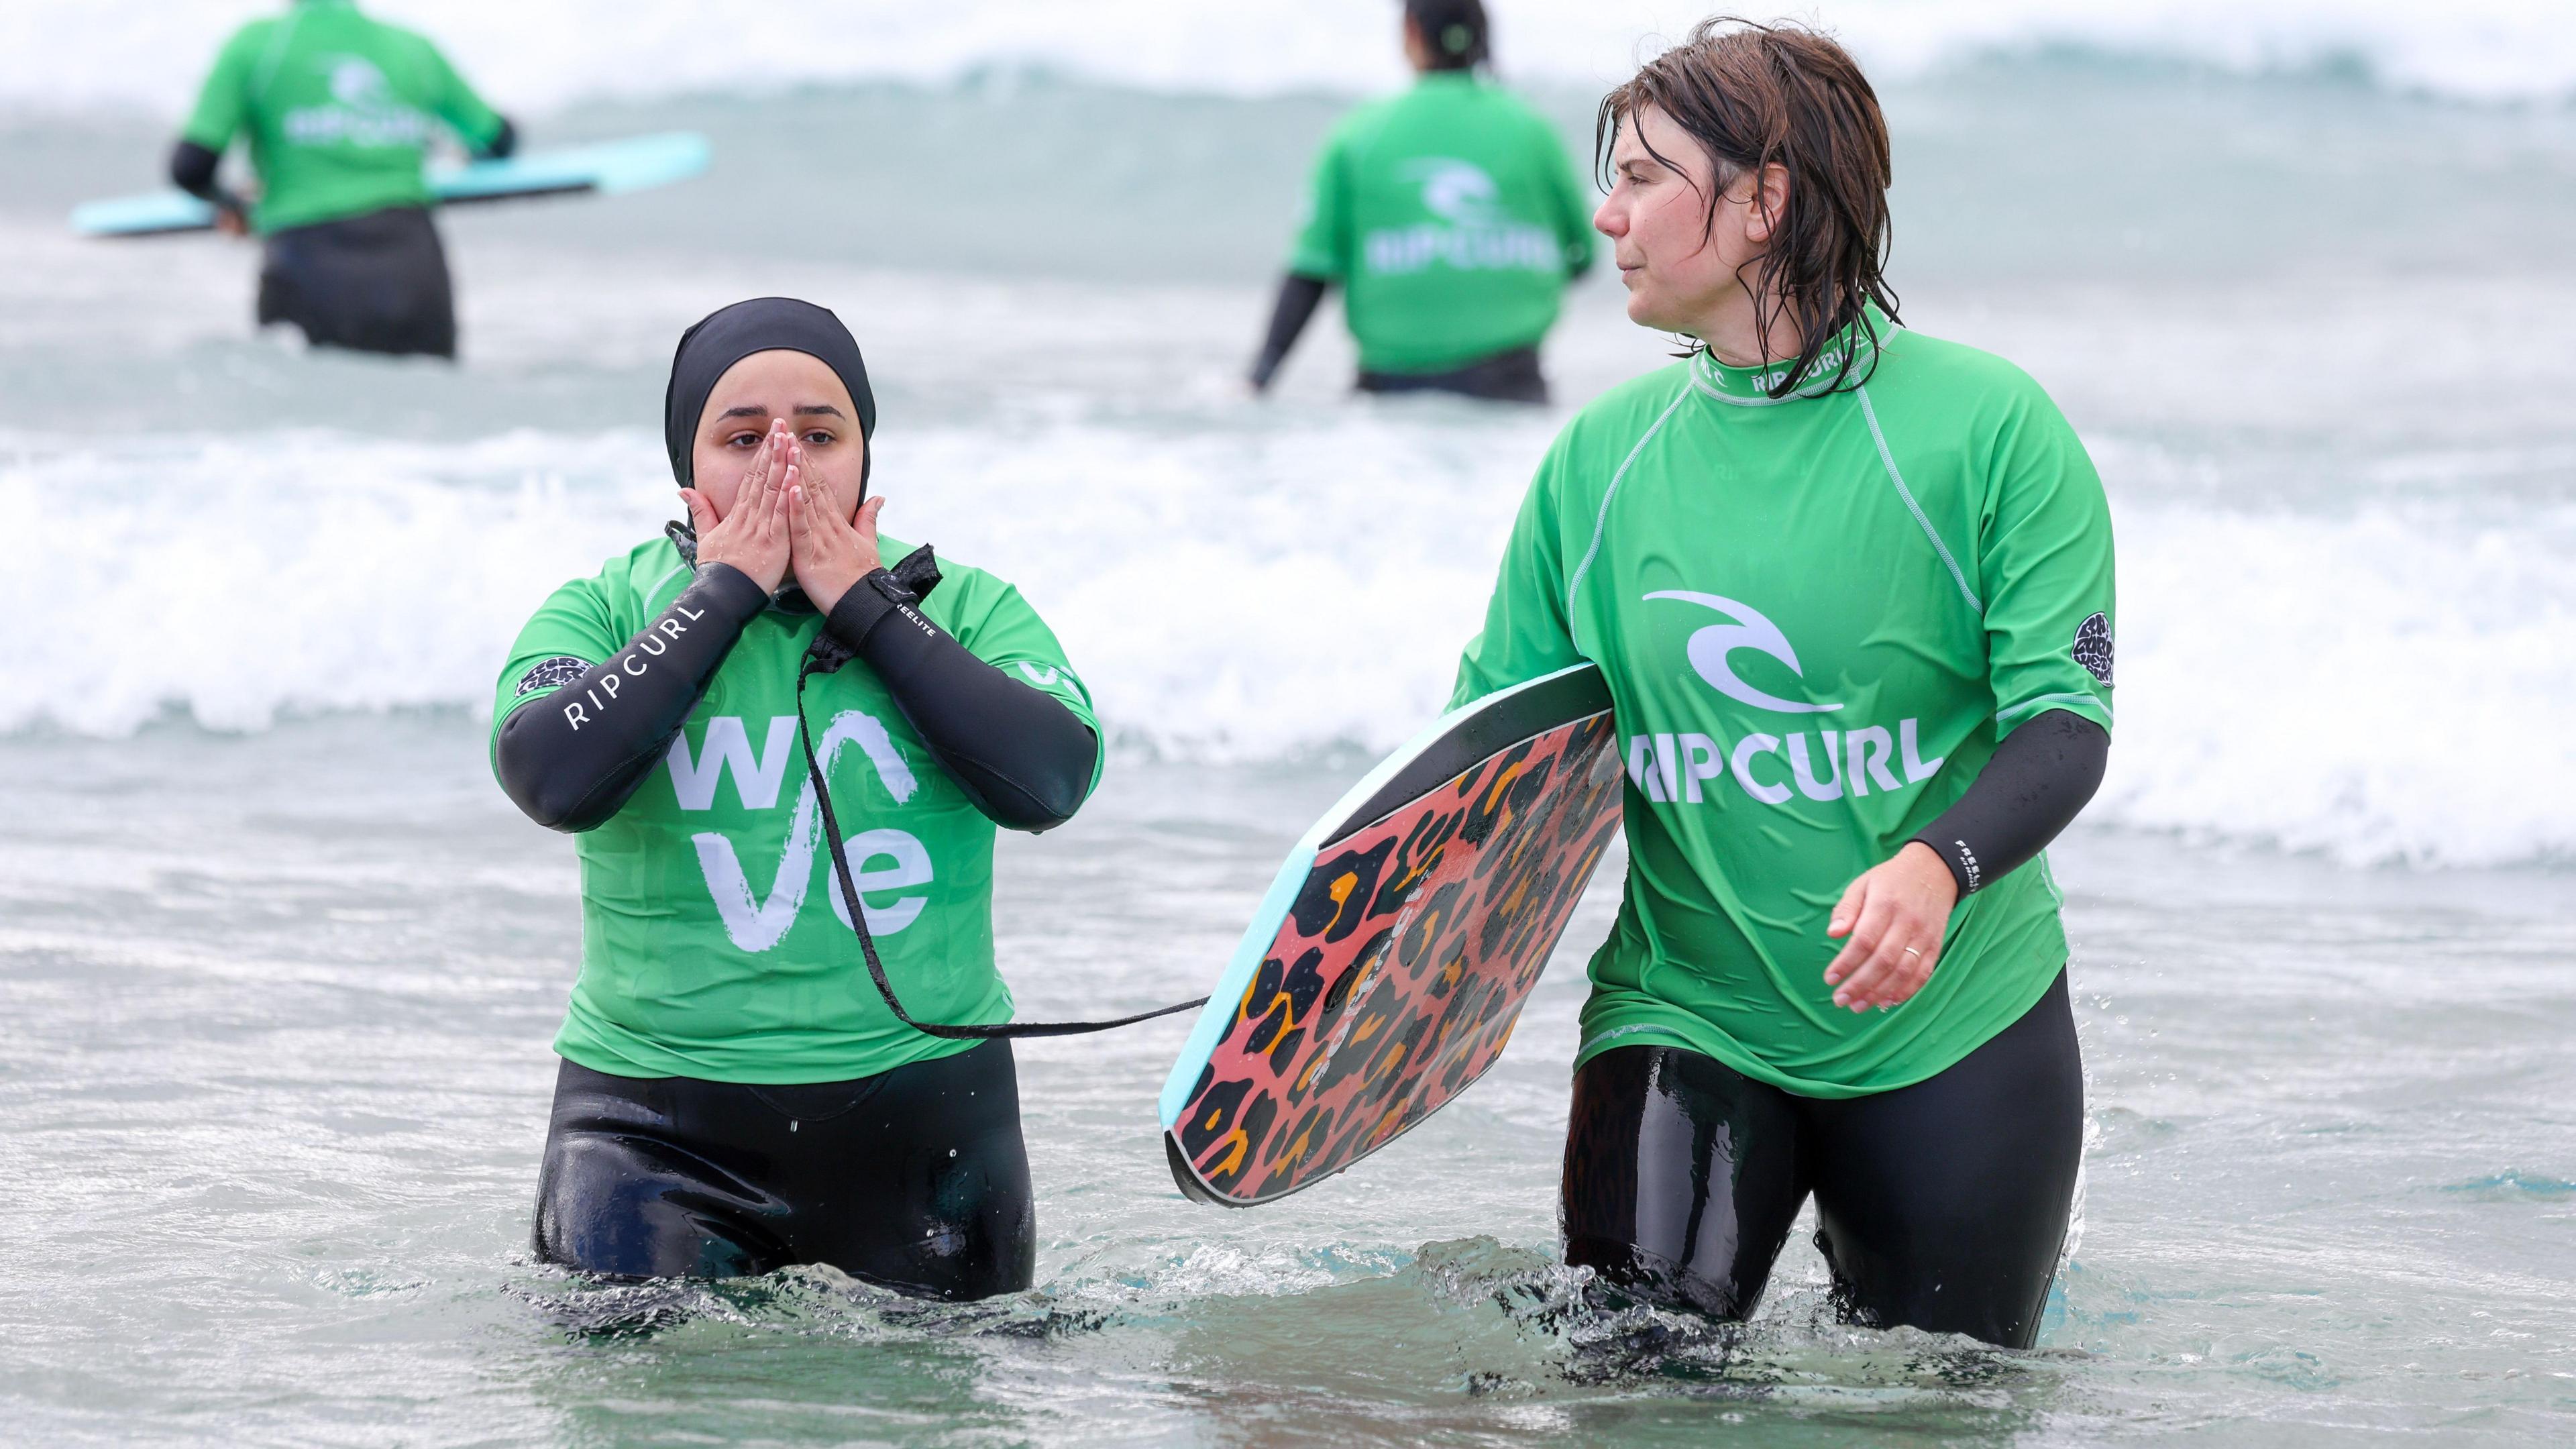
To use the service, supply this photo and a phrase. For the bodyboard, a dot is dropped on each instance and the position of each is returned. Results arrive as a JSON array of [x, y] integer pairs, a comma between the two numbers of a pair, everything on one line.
[[608, 168], [1384, 970]]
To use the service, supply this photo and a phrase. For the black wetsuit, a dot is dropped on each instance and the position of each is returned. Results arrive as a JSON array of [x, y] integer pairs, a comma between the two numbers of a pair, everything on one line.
[[375, 282], [372, 283], [914, 1178], [1504, 377], [1508, 376], [1943, 1205]]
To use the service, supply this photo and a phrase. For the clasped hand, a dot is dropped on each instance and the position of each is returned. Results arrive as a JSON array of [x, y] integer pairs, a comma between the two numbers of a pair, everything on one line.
[[781, 519]]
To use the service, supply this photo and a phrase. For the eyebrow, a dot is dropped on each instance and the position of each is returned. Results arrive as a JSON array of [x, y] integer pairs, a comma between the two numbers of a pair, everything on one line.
[[754, 410]]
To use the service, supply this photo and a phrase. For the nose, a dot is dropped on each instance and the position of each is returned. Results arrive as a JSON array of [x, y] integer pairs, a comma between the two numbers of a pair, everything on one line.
[[1610, 219]]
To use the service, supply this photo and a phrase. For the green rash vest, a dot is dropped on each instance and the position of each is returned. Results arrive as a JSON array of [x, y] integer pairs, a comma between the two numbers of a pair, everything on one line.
[[1818, 616], [714, 939], [338, 109], [1451, 217]]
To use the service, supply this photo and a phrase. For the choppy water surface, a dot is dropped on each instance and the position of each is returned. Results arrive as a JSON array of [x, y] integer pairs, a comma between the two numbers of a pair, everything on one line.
[[276, 1012], [278, 965]]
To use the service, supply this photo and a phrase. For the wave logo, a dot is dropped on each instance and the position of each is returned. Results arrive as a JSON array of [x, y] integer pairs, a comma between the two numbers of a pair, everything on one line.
[[757, 922], [1710, 647], [1458, 192]]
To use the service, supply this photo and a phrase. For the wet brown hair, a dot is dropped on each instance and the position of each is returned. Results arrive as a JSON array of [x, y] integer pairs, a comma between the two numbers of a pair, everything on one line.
[[1758, 95]]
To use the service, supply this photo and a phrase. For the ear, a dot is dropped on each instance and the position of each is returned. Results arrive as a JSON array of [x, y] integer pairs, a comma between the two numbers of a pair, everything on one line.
[[1770, 203]]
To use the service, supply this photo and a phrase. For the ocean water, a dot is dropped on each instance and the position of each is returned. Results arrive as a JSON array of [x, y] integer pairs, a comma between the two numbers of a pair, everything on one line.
[[279, 966]]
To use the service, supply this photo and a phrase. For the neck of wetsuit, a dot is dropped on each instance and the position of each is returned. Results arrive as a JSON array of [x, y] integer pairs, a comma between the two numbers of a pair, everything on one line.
[[1844, 361]]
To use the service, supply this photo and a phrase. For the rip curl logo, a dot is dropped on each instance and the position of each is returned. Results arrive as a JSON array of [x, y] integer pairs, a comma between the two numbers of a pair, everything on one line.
[[552, 673], [1458, 192], [1709, 647], [364, 110], [2093, 646], [357, 82], [1688, 767], [1473, 231]]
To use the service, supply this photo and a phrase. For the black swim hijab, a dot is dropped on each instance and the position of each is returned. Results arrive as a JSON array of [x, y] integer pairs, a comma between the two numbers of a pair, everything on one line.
[[730, 334]]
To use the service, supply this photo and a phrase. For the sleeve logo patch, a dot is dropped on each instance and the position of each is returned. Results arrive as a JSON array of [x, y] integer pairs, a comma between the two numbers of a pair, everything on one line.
[[552, 673], [2093, 647]]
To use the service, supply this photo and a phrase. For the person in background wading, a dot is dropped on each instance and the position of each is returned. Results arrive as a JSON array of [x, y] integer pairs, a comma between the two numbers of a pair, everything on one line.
[[735, 1094], [1851, 589], [337, 109], [1450, 216]]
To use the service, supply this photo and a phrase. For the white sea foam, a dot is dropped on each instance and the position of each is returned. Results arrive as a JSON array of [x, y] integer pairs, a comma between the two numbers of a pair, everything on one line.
[[151, 54], [2384, 686], [2380, 685]]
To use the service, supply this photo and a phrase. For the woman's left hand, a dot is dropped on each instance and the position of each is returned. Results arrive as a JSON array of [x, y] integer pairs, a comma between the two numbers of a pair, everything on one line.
[[1896, 915], [828, 550]]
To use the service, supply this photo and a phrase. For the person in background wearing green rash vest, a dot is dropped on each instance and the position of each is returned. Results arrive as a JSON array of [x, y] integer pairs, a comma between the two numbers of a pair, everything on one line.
[[337, 109], [1451, 217], [1851, 588]]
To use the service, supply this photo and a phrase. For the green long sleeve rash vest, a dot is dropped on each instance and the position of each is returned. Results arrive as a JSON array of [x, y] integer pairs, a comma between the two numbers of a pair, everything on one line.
[[338, 109]]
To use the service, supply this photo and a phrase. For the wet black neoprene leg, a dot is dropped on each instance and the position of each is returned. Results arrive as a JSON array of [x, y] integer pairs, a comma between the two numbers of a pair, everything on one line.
[[915, 1179], [1944, 1205], [1682, 1176]]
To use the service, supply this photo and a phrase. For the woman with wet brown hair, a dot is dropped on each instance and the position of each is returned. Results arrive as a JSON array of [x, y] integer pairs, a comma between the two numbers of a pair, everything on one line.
[[1851, 587]]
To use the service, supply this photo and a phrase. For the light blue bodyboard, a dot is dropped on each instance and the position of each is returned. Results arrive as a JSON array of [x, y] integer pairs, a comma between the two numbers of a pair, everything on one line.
[[637, 163]]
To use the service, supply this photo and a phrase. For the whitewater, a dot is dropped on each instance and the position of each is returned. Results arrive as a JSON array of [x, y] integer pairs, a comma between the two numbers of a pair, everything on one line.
[[2347, 556]]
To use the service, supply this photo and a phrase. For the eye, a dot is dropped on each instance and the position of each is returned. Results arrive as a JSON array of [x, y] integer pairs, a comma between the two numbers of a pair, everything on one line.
[[743, 439], [818, 438]]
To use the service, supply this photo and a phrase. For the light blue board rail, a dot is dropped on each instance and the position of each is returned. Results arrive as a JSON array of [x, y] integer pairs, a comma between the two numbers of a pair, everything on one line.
[[637, 163]]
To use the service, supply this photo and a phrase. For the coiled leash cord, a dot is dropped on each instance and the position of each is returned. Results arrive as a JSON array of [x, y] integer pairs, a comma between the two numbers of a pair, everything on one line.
[[826, 655]]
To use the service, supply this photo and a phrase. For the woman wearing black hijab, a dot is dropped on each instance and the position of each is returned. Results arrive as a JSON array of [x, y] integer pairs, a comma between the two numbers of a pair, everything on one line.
[[735, 1095]]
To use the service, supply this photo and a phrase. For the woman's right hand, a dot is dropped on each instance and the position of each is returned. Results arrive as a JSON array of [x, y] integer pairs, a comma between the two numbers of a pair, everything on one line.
[[753, 535]]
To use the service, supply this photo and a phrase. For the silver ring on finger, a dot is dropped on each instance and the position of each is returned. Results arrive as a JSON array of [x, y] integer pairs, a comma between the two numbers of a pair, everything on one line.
[[1910, 951]]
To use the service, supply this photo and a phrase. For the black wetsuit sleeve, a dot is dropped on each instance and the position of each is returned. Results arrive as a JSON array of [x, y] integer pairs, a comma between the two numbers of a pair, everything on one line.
[[503, 142], [1299, 296], [2033, 786], [571, 760], [1021, 756], [192, 170]]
